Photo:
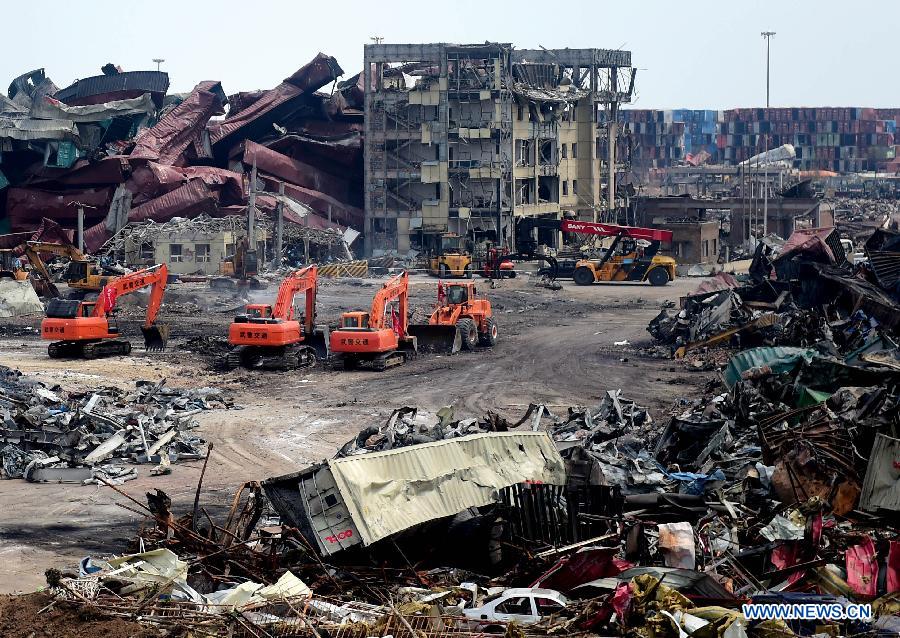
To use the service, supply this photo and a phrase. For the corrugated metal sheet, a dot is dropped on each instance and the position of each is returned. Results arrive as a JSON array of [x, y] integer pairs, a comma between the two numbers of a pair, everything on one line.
[[388, 492], [81, 91], [28, 129], [881, 487], [780, 359], [48, 108], [181, 127], [275, 103], [294, 171], [883, 250]]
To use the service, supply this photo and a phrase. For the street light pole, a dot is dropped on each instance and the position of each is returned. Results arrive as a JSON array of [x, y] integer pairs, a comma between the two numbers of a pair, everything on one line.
[[158, 62], [768, 36]]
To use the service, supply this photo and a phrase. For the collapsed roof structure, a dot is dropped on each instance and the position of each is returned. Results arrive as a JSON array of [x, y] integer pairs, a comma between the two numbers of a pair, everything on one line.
[[119, 148]]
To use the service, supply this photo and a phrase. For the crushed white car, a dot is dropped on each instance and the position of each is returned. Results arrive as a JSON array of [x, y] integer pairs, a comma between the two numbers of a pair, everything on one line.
[[524, 605]]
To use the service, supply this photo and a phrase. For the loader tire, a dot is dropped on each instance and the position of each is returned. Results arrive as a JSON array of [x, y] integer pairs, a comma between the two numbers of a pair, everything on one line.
[[489, 336], [658, 277], [443, 271], [583, 276], [468, 331]]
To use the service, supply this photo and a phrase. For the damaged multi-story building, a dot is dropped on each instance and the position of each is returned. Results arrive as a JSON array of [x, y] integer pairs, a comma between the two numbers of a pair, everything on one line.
[[461, 140]]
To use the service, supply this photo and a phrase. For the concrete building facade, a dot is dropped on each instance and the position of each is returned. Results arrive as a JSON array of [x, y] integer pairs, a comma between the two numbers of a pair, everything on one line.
[[462, 139], [189, 252]]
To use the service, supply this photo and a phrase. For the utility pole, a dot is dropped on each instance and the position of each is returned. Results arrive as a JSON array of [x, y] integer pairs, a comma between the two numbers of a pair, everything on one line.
[[768, 36]]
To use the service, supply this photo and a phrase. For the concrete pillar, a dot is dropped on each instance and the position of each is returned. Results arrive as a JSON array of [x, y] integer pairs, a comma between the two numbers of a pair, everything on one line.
[[279, 227], [81, 228]]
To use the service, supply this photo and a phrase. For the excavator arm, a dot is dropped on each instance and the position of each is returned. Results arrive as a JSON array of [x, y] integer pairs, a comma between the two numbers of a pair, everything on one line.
[[155, 336], [300, 281], [33, 250], [395, 288]]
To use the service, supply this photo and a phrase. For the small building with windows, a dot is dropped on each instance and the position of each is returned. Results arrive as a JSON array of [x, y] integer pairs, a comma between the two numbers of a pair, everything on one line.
[[188, 251]]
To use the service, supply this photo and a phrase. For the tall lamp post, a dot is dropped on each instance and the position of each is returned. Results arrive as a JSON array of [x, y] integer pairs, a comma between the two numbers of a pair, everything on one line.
[[158, 62], [768, 36]]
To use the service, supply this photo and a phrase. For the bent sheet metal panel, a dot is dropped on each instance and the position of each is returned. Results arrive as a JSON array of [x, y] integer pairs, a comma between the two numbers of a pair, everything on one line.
[[387, 492]]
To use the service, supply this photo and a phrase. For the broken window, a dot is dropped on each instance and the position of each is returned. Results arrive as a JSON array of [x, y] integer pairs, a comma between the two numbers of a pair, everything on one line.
[[147, 251], [547, 607], [548, 189], [524, 191], [521, 606], [546, 156], [519, 112], [201, 252], [565, 187], [574, 150], [574, 186], [175, 253], [565, 151]]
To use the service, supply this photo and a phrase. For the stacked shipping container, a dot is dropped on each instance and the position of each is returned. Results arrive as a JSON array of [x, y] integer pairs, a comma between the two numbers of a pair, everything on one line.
[[835, 139]]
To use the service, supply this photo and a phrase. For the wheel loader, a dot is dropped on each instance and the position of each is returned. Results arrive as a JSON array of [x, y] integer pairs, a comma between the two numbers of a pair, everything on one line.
[[462, 320]]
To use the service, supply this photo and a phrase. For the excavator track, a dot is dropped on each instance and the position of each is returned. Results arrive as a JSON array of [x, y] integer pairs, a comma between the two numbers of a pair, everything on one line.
[[88, 350], [234, 357], [256, 358], [98, 349], [388, 360]]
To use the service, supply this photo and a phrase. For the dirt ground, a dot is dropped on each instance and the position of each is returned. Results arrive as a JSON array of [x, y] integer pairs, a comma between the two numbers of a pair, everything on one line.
[[33, 615], [556, 347]]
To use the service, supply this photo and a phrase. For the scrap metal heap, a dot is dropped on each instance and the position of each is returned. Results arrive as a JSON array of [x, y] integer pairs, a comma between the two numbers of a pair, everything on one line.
[[779, 485], [122, 150], [800, 292], [51, 435]]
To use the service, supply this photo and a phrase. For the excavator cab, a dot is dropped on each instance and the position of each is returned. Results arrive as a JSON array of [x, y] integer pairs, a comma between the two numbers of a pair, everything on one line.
[[259, 311], [356, 320]]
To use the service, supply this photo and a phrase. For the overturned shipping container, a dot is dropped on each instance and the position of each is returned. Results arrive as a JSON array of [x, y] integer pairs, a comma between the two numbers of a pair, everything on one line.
[[362, 499]]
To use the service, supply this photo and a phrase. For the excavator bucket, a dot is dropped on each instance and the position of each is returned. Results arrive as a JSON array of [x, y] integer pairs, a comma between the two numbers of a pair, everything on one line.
[[436, 338], [156, 337], [318, 340]]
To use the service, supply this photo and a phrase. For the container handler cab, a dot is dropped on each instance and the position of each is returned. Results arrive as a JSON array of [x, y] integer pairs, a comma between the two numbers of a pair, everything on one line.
[[88, 329], [461, 319], [625, 259], [272, 337], [377, 338]]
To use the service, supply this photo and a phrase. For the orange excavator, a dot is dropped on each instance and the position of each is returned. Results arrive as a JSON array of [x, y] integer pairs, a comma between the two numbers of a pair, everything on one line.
[[88, 328], [379, 337], [271, 338]]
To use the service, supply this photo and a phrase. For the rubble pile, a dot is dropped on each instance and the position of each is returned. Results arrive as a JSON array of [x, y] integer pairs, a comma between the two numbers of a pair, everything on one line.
[[50, 435], [777, 486], [801, 292], [121, 149]]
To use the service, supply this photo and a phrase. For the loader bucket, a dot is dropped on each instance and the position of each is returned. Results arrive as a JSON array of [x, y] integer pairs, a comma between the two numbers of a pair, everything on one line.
[[156, 337], [436, 338]]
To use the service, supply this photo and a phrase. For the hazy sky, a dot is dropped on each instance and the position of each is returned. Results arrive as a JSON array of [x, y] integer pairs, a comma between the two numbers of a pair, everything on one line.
[[693, 54]]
